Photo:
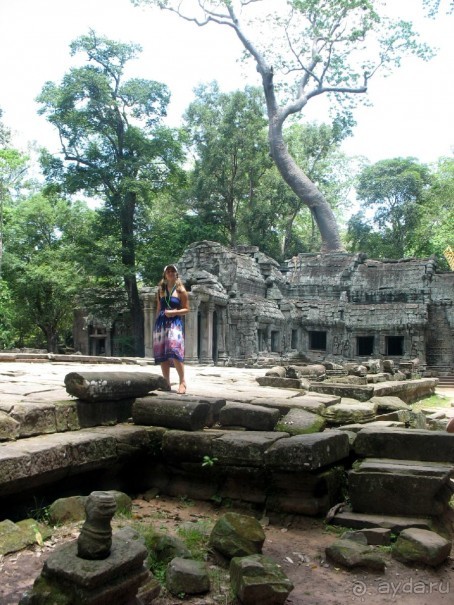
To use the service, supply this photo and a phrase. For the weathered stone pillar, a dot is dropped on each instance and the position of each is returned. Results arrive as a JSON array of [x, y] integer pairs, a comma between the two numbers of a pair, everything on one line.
[[149, 312], [206, 334], [222, 324], [191, 327]]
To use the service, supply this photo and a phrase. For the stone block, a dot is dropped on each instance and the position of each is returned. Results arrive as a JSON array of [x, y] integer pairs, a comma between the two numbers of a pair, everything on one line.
[[416, 546], [359, 392], [281, 383], [350, 411], [34, 419], [307, 452], [178, 446], [9, 427], [300, 422], [111, 386], [347, 518], [405, 444], [236, 535], [187, 576], [244, 448], [399, 487], [182, 413], [252, 417], [257, 579], [304, 493]]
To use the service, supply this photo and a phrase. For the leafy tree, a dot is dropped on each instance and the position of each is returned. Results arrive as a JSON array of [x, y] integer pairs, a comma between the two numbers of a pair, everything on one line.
[[303, 50], [227, 132], [13, 166], [394, 191], [41, 266], [114, 146], [435, 230]]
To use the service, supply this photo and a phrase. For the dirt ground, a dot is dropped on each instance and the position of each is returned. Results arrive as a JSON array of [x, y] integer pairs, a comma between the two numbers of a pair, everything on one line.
[[297, 545]]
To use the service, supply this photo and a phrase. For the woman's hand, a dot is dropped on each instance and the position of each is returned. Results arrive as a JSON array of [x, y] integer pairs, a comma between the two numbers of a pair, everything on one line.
[[170, 312]]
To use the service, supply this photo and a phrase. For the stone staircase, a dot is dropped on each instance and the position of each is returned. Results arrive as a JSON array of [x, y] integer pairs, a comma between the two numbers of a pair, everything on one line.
[[445, 375], [400, 473]]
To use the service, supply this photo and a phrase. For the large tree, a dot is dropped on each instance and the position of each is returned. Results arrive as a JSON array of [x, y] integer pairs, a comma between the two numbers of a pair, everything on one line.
[[42, 267], [394, 192], [304, 49], [114, 146], [227, 133]]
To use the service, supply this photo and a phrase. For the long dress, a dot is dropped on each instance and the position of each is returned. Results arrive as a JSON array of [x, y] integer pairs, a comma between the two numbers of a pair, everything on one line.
[[168, 332]]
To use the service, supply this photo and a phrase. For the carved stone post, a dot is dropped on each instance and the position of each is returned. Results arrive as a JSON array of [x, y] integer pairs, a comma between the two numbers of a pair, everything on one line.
[[95, 539], [206, 334], [191, 328], [149, 312]]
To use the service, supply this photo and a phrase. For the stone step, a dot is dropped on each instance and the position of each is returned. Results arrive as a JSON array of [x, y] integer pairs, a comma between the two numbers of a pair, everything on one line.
[[400, 487], [404, 444], [396, 523]]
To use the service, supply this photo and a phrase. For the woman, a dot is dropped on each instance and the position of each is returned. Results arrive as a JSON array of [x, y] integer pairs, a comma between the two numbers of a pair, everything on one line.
[[168, 335]]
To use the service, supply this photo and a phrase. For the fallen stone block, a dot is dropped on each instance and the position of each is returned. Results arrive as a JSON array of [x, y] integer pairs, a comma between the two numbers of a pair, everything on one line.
[[347, 518], [416, 545], [351, 553], [187, 576], [183, 414], [236, 535], [300, 422], [252, 417], [350, 411], [215, 403], [281, 383], [110, 386], [257, 579], [389, 403]]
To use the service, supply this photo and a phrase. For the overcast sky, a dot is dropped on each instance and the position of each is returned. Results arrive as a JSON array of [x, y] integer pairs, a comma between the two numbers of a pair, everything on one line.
[[412, 112]]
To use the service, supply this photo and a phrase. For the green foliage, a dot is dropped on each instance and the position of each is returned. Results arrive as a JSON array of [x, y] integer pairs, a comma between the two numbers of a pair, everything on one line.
[[196, 539], [393, 190], [208, 461], [115, 147], [227, 134], [41, 267]]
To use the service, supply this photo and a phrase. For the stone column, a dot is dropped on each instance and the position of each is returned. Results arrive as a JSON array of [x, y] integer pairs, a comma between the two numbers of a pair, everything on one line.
[[191, 328], [206, 334], [149, 311], [222, 323]]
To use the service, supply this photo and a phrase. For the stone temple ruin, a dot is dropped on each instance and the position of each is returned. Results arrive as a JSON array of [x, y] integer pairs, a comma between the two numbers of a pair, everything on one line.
[[247, 309]]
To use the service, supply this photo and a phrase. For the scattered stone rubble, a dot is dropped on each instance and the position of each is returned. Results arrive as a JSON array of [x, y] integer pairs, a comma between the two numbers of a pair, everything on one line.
[[291, 455]]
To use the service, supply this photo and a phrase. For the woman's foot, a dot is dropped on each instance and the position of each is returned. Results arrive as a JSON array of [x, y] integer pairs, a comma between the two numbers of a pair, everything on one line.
[[182, 388]]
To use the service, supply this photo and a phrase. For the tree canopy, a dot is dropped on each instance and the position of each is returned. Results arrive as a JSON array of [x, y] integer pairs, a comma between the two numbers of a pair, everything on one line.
[[114, 146], [305, 49]]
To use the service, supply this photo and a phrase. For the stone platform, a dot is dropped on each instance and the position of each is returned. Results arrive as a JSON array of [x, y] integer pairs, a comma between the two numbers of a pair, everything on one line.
[[57, 439]]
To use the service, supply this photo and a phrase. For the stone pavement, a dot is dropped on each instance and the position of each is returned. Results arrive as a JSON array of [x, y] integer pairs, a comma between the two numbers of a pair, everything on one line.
[[38, 382], [44, 381]]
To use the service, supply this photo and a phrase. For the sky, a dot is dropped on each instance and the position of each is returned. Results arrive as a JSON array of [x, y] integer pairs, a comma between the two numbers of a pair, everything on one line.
[[411, 115]]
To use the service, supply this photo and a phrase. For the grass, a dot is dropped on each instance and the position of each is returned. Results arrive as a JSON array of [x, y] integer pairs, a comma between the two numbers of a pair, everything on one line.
[[196, 538], [434, 401]]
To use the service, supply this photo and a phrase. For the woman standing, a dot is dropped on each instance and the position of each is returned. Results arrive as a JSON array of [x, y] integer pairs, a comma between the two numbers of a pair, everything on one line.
[[168, 334]]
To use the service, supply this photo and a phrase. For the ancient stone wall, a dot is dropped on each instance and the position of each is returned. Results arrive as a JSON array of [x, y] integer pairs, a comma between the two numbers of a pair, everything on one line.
[[316, 307]]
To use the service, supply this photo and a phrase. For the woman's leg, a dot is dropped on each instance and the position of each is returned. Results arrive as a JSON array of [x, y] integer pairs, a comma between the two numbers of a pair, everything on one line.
[[165, 369], [179, 366]]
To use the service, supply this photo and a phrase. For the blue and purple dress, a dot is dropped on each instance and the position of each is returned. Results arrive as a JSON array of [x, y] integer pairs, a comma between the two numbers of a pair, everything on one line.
[[168, 332]]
